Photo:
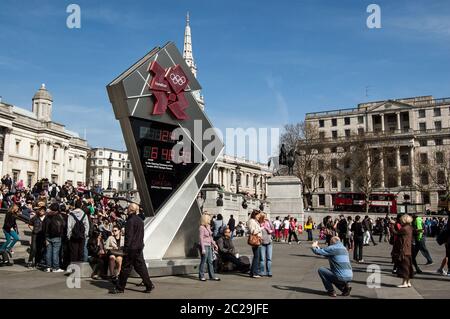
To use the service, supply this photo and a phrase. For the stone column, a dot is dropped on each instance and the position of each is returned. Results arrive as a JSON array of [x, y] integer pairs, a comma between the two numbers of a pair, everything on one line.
[[399, 169], [382, 122], [6, 150], [382, 168], [41, 160], [398, 121], [411, 164]]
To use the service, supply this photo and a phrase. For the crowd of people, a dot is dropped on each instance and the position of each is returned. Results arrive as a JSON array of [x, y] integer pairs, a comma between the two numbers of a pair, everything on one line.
[[67, 224], [74, 224]]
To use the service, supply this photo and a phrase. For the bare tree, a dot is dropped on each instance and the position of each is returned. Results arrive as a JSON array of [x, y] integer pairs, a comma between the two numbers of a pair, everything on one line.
[[312, 165], [433, 173]]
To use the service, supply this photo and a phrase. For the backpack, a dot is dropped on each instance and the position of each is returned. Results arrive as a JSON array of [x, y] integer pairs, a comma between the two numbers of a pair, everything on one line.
[[78, 230], [442, 237], [222, 228]]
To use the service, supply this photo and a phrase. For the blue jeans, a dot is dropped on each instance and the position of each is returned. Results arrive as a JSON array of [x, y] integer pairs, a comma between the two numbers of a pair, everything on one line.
[[11, 239], [265, 265], [255, 262], [310, 235], [52, 256], [328, 279], [206, 258]]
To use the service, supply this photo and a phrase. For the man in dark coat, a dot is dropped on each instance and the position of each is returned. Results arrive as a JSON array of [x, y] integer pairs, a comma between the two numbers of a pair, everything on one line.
[[133, 249]]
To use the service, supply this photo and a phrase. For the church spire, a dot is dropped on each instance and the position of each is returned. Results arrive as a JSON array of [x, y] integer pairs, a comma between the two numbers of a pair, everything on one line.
[[189, 58], [187, 49]]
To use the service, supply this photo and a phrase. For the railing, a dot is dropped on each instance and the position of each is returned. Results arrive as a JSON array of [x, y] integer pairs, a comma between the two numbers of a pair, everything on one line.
[[376, 134]]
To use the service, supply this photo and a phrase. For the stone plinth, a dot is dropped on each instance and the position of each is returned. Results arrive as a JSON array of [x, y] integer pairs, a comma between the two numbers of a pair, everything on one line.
[[284, 193]]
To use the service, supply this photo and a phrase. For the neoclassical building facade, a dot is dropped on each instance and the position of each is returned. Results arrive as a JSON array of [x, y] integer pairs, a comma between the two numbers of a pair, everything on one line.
[[33, 147], [412, 136]]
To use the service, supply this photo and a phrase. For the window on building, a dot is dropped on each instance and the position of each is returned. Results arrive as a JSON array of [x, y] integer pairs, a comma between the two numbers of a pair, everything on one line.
[[333, 122], [347, 133], [426, 198], [346, 163], [100, 162], [321, 123], [321, 135], [404, 159], [406, 179], [360, 131], [423, 142], [232, 178], [30, 179], [15, 176], [247, 180], [120, 164], [347, 183], [439, 158], [422, 127], [31, 150], [424, 178], [128, 165], [120, 173], [334, 134], [100, 153], [334, 149], [128, 186], [421, 113], [423, 158], [17, 146], [70, 162], [321, 199], [438, 125], [54, 153], [128, 174], [438, 142], [320, 164], [440, 177], [360, 119], [346, 121], [334, 182], [437, 112], [334, 163]]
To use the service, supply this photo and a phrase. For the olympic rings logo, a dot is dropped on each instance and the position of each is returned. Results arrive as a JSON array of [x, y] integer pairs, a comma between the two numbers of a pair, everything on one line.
[[177, 79]]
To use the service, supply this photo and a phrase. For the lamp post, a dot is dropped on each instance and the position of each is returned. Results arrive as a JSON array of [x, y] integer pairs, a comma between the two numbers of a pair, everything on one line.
[[238, 178], [110, 163]]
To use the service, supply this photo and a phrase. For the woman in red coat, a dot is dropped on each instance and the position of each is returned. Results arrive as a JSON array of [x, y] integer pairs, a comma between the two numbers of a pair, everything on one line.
[[401, 252]]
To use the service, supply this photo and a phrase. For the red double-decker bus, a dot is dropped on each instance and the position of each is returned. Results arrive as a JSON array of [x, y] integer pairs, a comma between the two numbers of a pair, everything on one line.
[[378, 202]]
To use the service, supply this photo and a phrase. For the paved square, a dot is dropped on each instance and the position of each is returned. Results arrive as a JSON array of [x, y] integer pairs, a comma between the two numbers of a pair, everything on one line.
[[294, 277]]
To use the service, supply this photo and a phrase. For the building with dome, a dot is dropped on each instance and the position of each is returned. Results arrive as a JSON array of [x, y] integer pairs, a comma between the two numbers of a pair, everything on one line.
[[33, 147]]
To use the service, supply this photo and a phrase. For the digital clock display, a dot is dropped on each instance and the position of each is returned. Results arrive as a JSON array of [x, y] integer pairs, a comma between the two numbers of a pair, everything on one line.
[[155, 142]]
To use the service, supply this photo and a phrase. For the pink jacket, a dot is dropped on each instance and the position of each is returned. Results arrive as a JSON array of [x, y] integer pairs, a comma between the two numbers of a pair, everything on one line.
[[206, 238]]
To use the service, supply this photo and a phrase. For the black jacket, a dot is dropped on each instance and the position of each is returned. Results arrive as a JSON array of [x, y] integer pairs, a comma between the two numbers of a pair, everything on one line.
[[10, 222], [225, 245], [134, 233], [357, 229], [53, 225]]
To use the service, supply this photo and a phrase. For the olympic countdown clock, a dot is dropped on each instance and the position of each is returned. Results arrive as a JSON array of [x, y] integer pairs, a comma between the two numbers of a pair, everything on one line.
[[153, 99]]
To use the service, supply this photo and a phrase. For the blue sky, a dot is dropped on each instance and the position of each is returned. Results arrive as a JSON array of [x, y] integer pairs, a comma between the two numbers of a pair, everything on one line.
[[261, 63]]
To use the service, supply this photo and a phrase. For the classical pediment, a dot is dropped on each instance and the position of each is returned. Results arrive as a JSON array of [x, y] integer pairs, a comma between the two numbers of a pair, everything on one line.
[[389, 105]]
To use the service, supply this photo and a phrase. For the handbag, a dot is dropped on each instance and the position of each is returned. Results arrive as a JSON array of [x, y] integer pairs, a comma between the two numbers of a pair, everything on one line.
[[254, 240], [116, 252]]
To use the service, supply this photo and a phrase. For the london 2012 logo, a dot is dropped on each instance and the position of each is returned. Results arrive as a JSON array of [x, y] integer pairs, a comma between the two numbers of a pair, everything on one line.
[[168, 86]]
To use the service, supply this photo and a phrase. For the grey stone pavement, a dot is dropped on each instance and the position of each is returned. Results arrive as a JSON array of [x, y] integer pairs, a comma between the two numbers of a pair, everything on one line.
[[294, 277]]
